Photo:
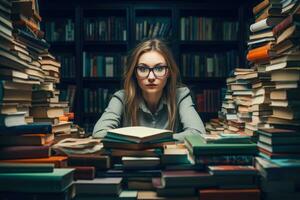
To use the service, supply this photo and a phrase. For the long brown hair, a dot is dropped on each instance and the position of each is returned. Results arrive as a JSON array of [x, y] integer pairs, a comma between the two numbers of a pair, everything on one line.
[[133, 95]]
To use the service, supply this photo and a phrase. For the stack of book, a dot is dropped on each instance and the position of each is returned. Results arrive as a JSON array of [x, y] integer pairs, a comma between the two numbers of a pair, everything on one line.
[[40, 67], [227, 161], [137, 151], [279, 146], [46, 106], [35, 181]]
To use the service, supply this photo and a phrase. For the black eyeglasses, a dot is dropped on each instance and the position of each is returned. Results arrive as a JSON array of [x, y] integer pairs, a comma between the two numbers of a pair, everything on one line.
[[159, 71]]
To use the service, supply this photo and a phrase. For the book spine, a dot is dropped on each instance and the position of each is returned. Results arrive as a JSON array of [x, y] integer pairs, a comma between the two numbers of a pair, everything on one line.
[[19, 152], [283, 25]]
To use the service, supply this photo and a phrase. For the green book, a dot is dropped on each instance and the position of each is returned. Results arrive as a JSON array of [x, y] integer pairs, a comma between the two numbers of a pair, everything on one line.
[[124, 195], [25, 167], [57, 181], [197, 146]]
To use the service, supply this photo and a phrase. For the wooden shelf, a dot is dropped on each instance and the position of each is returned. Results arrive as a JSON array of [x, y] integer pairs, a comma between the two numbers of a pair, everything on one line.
[[222, 43], [102, 79], [68, 80], [102, 43]]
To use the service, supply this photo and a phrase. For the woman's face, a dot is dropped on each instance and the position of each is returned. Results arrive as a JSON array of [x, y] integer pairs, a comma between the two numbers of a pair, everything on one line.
[[152, 72]]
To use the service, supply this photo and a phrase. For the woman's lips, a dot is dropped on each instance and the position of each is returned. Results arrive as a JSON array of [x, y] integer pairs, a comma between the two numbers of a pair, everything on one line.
[[151, 85]]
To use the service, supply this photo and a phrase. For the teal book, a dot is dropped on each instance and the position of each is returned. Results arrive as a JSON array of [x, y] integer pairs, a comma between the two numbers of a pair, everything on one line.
[[25, 167], [124, 195], [197, 146], [57, 181]]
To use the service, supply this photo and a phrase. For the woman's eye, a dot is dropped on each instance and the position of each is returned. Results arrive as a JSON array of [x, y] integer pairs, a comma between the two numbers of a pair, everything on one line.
[[143, 69], [159, 69]]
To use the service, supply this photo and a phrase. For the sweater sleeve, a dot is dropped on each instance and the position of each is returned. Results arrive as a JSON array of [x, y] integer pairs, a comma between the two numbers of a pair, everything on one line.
[[189, 118], [111, 118]]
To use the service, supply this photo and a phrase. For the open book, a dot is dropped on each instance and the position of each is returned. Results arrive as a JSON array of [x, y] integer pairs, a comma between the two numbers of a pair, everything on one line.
[[139, 134]]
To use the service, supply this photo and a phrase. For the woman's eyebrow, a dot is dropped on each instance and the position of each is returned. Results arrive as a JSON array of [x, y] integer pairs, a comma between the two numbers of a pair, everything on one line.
[[158, 64]]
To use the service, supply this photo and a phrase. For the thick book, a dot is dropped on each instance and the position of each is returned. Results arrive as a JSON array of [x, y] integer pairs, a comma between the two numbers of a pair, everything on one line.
[[171, 192], [25, 167], [19, 152], [229, 194], [196, 146], [26, 139], [84, 172], [69, 193], [58, 161], [139, 134], [56, 181], [140, 162], [224, 159], [100, 162], [124, 195], [284, 24], [269, 22], [34, 128], [232, 170], [187, 178], [12, 119], [147, 195], [100, 186]]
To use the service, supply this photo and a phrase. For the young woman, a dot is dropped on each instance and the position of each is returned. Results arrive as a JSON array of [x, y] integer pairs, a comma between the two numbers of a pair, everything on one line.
[[152, 95]]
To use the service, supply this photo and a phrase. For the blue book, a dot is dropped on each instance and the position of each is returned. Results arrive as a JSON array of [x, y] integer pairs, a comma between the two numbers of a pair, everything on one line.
[[34, 128]]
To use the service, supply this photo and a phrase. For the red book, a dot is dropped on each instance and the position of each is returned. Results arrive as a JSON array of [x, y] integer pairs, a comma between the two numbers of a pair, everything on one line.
[[97, 161], [84, 172], [58, 161], [285, 24], [18, 152], [229, 194], [200, 103]]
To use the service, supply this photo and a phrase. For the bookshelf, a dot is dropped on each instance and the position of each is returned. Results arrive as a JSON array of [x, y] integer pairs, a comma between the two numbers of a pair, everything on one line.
[[105, 31]]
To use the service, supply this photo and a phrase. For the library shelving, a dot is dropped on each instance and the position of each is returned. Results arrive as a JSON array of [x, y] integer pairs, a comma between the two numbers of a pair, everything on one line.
[[92, 39]]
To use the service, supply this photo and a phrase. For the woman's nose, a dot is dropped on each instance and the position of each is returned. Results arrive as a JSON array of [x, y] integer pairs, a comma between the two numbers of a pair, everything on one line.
[[151, 75]]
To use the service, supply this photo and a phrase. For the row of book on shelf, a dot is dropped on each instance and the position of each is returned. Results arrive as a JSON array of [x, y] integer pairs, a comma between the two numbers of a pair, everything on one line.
[[115, 28], [95, 65], [105, 28], [195, 65], [59, 30], [205, 28]]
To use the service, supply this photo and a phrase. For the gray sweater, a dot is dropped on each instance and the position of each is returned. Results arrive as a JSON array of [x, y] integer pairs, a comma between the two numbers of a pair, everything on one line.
[[187, 120]]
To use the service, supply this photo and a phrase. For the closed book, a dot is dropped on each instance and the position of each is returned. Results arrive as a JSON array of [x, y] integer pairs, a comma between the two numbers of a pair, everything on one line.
[[12, 119], [100, 186], [229, 194], [280, 148], [34, 128], [69, 193], [58, 161], [151, 195], [232, 170], [56, 181], [224, 159], [124, 195], [84, 172], [171, 192], [25, 167], [26, 139], [284, 24], [18, 152], [187, 178], [100, 162], [140, 162], [198, 147]]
